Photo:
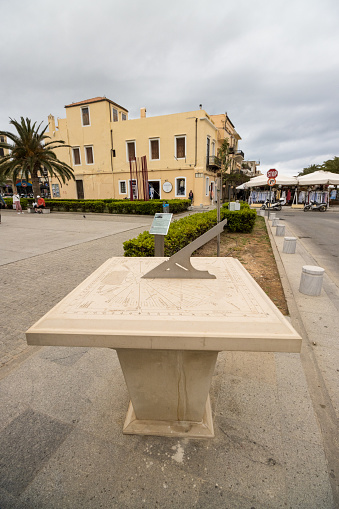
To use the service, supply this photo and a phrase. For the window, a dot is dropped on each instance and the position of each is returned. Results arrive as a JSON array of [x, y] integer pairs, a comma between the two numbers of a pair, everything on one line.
[[122, 187], [89, 155], [55, 191], [123, 116], [85, 116], [130, 145], [213, 148], [180, 147], [180, 186], [207, 188], [154, 149], [115, 115], [76, 156]]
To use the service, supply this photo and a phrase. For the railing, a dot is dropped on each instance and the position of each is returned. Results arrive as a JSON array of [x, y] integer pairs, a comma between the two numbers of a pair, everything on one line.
[[239, 153], [213, 162]]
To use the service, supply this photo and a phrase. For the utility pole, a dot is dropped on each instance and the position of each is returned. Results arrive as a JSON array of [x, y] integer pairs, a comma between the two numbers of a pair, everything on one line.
[[219, 187]]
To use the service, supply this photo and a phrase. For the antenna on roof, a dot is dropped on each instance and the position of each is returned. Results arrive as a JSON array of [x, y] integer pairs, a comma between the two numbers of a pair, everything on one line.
[[200, 106]]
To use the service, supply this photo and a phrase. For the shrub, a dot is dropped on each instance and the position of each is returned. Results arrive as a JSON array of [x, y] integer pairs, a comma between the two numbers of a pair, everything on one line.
[[187, 229]]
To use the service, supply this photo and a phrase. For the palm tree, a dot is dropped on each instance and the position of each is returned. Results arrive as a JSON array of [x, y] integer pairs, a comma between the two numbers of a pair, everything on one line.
[[30, 153]]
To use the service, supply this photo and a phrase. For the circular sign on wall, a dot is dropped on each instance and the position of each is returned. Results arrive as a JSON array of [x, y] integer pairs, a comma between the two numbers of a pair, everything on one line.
[[167, 187]]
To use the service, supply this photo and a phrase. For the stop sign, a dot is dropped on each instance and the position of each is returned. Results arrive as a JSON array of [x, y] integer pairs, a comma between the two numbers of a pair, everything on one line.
[[272, 174]]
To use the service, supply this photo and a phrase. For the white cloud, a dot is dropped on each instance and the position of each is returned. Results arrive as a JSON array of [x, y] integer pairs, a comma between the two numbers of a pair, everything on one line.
[[272, 65]]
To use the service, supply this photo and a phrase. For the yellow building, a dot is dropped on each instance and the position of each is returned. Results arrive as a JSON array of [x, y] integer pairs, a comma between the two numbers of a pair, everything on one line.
[[180, 148]]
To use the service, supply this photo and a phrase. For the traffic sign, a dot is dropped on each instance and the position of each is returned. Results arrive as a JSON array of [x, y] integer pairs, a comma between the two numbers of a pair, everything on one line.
[[272, 174], [271, 182]]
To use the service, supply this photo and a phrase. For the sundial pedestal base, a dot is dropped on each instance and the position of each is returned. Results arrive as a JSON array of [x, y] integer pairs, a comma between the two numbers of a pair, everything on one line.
[[169, 391], [180, 429]]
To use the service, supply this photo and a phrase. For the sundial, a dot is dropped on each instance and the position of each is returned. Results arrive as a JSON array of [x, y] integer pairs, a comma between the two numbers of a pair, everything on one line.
[[179, 265], [167, 329]]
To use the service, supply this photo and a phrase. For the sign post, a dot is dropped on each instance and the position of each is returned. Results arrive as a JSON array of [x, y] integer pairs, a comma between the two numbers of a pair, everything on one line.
[[271, 175], [159, 229]]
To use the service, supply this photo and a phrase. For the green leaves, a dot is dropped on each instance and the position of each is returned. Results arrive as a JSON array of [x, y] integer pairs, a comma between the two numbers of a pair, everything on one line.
[[29, 154], [185, 230]]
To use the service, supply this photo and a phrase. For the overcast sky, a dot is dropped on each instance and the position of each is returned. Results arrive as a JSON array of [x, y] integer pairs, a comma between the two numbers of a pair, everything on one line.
[[272, 65]]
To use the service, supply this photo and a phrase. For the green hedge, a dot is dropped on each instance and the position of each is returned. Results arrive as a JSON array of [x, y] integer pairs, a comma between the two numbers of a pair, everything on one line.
[[187, 229], [110, 205], [24, 202]]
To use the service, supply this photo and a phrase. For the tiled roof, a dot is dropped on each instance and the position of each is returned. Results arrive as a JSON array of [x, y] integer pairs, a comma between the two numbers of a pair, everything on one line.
[[95, 100]]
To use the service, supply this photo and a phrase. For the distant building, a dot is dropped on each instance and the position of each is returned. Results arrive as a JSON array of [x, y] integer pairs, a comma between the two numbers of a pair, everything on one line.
[[181, 151]]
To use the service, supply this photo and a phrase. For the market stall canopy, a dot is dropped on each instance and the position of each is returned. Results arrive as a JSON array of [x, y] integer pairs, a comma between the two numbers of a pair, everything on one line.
[[318, 177], [281, 180]]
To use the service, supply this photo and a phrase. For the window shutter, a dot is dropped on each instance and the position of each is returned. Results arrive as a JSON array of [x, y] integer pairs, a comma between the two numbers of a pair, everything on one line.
[[155, 149], [89, 155], [180, 148], [131, 151], [76, 155], [85, 116]]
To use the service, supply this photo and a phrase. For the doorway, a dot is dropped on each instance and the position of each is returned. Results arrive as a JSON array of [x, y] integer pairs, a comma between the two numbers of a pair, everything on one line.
[[80, 189], [156, 186]]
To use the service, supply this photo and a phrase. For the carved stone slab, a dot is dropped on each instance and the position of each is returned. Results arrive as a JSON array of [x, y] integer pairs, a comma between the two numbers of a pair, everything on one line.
[[116, 307]]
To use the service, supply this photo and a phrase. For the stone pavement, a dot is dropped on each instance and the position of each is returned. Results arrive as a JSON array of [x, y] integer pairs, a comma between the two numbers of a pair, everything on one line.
[[62, 409], [44, 257]]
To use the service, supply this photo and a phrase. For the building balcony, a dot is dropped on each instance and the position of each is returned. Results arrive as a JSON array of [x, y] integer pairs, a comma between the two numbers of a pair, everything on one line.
[[239, 153], [213, 163]]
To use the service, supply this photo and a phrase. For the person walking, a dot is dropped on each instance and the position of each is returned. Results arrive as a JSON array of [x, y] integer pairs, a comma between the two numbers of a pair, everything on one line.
[[17, 204], [190, 196], [2, 203]]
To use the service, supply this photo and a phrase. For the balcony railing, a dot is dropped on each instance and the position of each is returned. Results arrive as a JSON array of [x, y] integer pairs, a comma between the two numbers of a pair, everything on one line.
[[239, 153], [213, 162]]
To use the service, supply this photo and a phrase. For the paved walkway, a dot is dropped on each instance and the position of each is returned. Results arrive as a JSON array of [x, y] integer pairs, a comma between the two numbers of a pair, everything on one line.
[[62, 409]]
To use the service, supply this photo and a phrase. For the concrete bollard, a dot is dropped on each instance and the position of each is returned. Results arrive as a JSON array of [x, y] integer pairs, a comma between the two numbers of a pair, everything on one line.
[[290, 244], [275, 221], [311, 280], [280, 231], [273, 215]]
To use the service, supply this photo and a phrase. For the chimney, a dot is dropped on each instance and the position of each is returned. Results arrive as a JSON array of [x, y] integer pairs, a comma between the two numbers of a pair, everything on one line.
[[142, 112], [51, 123]]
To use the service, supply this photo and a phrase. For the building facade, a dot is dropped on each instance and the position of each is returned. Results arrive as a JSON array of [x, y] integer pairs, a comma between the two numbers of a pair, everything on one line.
[[180, 148]]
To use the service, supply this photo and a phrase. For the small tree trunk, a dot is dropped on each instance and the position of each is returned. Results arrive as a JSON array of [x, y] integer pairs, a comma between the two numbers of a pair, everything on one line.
[[35, 183]]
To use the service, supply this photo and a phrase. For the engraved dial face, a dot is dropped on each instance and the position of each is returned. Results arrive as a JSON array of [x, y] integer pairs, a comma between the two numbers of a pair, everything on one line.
[[120, 290]]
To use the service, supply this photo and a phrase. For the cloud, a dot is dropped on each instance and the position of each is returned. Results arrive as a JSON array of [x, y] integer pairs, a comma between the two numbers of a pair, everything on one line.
[[273, 66]]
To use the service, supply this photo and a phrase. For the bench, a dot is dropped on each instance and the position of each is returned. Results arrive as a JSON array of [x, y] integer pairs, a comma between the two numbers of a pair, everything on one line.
[[31, 210]]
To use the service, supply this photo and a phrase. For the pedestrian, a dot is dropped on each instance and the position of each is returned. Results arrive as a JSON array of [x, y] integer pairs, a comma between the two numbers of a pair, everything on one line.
[[16, 202], [2, 203], [190, 196], [40, 205]]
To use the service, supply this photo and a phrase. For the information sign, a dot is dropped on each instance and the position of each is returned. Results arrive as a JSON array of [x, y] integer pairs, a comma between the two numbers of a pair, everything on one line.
[[160, 224], [271, 182], [167, 187], [272, 174]]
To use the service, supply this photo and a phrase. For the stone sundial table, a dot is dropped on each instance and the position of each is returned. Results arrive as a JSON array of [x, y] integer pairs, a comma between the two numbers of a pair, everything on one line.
[[167, 334]]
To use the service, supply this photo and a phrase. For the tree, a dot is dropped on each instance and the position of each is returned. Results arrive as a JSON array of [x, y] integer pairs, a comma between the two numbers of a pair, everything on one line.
[[310, 169], [331, 165], [30, 153], [231, 178]]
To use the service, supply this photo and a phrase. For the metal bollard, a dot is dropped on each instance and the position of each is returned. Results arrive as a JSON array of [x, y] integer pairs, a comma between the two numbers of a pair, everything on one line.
[[290, 244], [311, 280], [280, 231]]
